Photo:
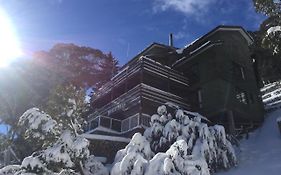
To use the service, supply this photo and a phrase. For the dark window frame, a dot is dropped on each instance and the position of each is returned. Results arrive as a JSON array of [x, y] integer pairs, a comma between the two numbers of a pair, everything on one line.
[[241, 96]]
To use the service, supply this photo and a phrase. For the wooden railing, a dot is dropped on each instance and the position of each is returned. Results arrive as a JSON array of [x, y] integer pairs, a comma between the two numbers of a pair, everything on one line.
[[145, 91], [142, 64]]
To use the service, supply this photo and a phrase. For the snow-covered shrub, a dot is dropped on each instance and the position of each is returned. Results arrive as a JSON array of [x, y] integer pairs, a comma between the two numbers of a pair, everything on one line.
[[33, 164], [133, 163], [39, 126], [177, 161], [182, 144], [67, 172], [61, 156], [66, 153], [93, 166], [133, 159], [9, 170]]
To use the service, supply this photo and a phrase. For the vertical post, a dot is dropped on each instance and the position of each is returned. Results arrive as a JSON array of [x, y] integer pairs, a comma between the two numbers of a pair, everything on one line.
[[230, 121], [110, 123], [171, 42], [5, 157], [140, 90], [200, 98], [169, 81], [111, 93]]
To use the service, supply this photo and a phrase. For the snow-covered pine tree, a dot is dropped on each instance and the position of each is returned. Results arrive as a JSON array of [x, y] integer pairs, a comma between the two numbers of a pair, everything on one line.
[[68, 153], [270, 29], [182, 144], [64, 150], [38, 128], [268, 7], [67, 105]]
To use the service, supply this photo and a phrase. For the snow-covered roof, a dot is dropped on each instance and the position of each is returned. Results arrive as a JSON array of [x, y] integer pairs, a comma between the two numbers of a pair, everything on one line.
[[104, 137]]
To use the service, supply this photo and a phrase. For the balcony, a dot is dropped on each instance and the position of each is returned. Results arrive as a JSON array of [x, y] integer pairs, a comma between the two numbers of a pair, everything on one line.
[[144, 64], [134, 97], [115, 126]]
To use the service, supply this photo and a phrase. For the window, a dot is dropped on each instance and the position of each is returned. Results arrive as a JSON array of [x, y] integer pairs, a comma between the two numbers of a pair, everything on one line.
[[238, 71], [116, 125], [134, 122], [94, 123], [130, 123], [105, 122], [125, 125], [241, 96]]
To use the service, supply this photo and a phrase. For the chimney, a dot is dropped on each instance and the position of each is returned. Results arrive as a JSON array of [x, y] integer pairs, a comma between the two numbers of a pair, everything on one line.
[[171, 42]]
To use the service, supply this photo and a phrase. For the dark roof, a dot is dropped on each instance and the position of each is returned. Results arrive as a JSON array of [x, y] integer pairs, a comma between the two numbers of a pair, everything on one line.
[[148, 48], [202, 40], [243, 32]]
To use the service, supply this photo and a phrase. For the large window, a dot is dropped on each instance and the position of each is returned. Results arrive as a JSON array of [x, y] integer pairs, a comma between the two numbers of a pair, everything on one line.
[[241, 96], [116, 125], [105, 122]]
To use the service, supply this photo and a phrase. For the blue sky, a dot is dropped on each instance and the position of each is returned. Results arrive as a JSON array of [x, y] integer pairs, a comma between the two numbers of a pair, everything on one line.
[[124, 27]]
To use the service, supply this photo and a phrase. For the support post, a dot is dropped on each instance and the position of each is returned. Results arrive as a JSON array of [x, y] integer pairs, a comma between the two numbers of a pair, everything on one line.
[[230, 121]]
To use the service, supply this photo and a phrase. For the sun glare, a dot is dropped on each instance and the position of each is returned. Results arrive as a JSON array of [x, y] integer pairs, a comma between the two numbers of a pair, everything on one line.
[[9, 44]]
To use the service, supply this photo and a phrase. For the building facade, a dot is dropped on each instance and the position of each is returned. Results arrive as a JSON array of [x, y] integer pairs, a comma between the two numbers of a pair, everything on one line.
[[214, 76]]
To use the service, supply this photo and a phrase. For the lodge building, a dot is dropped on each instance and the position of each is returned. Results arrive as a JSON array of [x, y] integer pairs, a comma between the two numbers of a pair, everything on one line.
[[214, 76]]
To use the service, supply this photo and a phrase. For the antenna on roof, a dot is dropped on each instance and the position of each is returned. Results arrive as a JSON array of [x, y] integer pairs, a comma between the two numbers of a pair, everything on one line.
[[171, 42]]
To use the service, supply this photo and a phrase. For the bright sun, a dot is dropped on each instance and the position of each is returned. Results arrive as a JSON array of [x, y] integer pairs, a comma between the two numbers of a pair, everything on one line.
[[9, 45]]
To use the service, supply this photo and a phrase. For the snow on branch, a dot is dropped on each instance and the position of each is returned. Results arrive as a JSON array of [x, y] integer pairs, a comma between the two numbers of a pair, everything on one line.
[[67, 153], [38, 124], [179, 144], [273, 30]]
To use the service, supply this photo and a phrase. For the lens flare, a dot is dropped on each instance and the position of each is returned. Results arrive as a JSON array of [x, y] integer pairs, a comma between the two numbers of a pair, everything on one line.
[[9, 44]]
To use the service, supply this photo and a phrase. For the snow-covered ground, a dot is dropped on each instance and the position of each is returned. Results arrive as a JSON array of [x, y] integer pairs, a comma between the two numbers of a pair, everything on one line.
[[261, 153]]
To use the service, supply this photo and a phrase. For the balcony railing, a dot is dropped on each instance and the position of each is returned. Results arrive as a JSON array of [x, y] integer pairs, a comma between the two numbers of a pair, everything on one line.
[[118, 126], [143, 64], [134, 96]]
